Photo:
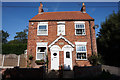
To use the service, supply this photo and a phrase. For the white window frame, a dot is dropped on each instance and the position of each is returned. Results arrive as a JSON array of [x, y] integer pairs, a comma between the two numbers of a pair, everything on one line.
[[41, 44], [80, 22], [60, 24], [81, 44], [41, 24]]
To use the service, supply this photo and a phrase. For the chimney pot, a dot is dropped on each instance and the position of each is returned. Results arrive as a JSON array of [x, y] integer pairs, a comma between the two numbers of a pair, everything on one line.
[[41, 8], [83, 9]]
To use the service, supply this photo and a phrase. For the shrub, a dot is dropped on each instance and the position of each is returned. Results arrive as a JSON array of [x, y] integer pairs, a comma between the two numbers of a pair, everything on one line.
[[30, 57], [95, 59], [40, 62], [13, 48]]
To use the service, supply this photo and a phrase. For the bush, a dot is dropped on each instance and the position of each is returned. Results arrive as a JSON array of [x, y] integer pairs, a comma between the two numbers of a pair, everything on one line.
[[13, 48], [30, 57], [95, 59], [39, 62]]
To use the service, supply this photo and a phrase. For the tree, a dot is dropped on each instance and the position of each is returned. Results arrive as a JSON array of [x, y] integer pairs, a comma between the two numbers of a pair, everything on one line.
[[5, 35], [108, 40], [21, 36]]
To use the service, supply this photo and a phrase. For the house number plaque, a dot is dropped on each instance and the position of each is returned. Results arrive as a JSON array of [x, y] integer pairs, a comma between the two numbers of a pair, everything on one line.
[[61, 43]]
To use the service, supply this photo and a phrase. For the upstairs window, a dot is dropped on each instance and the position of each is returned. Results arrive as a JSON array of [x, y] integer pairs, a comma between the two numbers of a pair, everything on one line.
[[80, 28], [60, 28], [42, 28]]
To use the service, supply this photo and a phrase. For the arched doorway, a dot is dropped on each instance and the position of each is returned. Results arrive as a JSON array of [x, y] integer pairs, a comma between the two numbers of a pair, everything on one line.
[[55, 57], [67, 57]]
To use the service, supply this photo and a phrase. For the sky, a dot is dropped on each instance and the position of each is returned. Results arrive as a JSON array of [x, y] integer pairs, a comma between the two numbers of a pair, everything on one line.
[[16, 15]]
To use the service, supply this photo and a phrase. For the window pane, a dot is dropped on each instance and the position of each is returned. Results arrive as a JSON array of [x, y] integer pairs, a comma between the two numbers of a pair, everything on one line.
[[42, 27], [41, 49], [67, 54], [81, 48], [81, 56], [78, 31], [80, 26], [40, 56]]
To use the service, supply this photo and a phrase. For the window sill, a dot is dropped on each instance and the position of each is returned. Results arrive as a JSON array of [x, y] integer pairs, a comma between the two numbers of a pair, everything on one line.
[[81, 59], [41, 35], [80, 35], [62, 35]]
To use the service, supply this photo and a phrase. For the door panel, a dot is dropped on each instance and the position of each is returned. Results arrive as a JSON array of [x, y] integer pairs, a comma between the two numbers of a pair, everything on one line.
[[67, 60], [54, 60]]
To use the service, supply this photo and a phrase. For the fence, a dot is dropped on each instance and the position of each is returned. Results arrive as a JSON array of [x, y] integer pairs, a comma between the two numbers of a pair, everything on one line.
[[12, 60]]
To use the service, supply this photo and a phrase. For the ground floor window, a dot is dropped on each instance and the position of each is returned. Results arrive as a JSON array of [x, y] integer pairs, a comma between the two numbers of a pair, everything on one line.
[[81, 51], [41, 51], [81, 56]]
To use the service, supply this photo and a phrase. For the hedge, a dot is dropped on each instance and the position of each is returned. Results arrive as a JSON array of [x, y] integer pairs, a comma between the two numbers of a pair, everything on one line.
[[13, 48]]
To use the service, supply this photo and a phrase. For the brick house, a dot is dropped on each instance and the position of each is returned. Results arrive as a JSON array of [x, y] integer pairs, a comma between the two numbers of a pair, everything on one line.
[[68, 38]]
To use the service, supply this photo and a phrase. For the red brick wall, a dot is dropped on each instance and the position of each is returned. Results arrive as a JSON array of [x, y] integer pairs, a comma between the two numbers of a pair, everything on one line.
[[69, 35]]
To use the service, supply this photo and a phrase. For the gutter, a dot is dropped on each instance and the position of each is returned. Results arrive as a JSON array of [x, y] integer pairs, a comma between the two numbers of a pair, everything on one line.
[[63, 20]]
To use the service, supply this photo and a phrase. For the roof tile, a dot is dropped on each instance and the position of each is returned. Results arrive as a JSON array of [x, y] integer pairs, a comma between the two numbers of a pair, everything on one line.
[[66, 15]]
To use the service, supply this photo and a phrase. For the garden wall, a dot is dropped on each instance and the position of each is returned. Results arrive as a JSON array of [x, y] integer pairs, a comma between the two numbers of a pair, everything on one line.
[[24, 73], [112, 69], [87, 71]]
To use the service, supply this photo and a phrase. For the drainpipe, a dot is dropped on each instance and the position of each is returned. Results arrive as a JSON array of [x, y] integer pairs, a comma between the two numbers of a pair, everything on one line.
[[91, 36]]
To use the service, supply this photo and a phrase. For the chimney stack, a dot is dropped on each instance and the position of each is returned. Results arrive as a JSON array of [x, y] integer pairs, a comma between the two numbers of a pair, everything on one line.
[[41, 8], [83, 9]]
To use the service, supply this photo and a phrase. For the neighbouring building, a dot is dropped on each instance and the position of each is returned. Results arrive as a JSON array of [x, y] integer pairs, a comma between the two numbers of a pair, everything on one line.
[[67, 38]]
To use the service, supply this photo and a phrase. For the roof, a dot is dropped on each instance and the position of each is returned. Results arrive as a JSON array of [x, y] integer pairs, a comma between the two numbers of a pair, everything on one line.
[[66, 15]]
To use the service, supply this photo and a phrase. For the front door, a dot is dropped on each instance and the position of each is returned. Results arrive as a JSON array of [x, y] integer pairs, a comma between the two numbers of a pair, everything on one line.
[[68, 60], [55, 60]]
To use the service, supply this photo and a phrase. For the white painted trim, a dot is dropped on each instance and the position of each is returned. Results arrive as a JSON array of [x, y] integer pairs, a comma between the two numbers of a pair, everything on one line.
[[81, 59], [42, 23], [18, 60], [3, 60], [42, 44], [81, 43], [67, 47], [61, 22], [79, 22], [61, 37], [55, 48]]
